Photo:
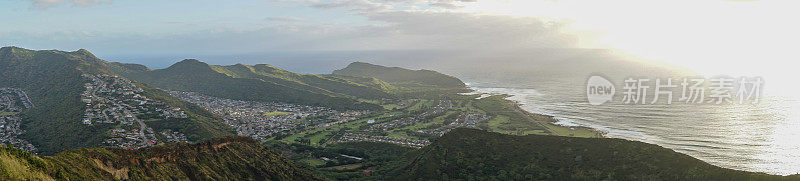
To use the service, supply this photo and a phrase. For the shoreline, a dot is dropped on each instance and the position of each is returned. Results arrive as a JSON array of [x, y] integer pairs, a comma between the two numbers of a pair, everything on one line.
[[551, 120]]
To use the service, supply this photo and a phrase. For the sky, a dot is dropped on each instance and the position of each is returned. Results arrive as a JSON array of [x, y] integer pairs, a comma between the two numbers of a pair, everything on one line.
[[743, 37], [214, 26]]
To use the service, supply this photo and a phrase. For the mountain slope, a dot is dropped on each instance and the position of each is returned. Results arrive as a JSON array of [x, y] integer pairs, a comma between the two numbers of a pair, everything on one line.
[[400, 76], [54, 82], [231, 158], [234, 83], [366, 81], [315, 83], [474, 154]]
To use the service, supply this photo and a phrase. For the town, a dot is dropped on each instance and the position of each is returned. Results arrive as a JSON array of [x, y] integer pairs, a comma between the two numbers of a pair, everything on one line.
[[115, 100], [118, 101], [440, 108], [260, 120], [299, 123], [12, 102], [112, 99]]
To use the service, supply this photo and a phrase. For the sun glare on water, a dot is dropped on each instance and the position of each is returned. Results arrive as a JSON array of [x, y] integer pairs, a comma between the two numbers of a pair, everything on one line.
[[729, 38], [734, 38]]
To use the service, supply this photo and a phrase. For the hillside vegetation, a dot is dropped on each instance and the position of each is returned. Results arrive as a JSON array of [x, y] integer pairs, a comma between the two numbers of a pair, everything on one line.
[[53, 81], [469, 154], [256, 83], [316, 83], [402, 77], [230, 158]]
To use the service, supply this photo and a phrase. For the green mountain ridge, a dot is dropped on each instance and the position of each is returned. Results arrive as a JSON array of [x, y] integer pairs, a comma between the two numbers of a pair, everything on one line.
[[402, 77], [54, 82], [230, 158], [470, 154], [316, 83], [255, 83], [126, 68]]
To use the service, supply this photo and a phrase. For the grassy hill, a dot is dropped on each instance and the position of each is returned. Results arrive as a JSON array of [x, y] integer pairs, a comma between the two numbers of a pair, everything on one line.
[[469, 154], [230, 158], [366, 81], [255, 83], [53, 81], [315, 83], [401, 77]]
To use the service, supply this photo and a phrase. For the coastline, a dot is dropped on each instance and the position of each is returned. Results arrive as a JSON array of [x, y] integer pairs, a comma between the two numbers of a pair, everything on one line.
[[527, 100], [550, 120]]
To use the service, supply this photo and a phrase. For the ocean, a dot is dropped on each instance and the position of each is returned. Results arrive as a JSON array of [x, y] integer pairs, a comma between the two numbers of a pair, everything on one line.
[[760, 138]]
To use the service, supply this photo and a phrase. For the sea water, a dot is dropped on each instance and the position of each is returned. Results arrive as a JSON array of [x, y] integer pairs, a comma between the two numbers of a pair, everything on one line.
[[762, 137]]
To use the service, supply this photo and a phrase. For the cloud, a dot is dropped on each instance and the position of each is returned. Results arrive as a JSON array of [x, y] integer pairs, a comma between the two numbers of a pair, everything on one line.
[[375, 5], [452, 30], [357, 5], [286, 19], [397, 27], [388, 25], [43, 4], [449, 4]]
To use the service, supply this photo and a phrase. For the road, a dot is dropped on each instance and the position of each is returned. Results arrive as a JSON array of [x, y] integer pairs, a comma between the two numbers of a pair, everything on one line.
[[523, 112], [142, 127]]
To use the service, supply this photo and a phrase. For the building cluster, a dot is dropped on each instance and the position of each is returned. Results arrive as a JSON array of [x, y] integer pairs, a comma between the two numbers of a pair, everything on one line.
[[407, 102], [131, 138], [12, 101], [463, 120], [355, 137], [112, 99], [441, 107], [260, 120], [173, 136], [11, 96], [393, 124]]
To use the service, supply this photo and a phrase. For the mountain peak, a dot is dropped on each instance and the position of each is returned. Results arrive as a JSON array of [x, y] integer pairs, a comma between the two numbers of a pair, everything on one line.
[[362, 64], [190, 65], [191, 61], [83, 51], [86, 53], [5, 51], [399, 75], [8, 48]]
